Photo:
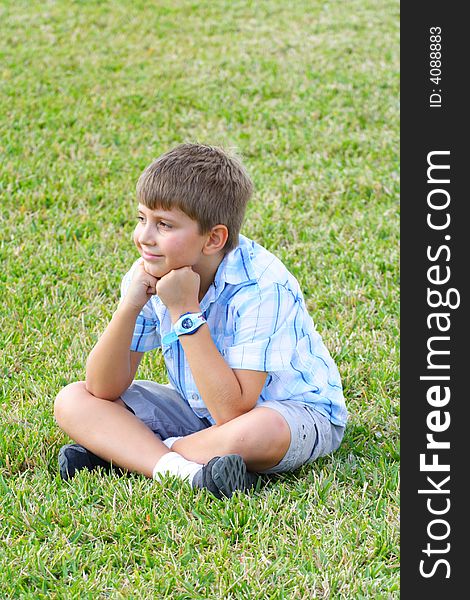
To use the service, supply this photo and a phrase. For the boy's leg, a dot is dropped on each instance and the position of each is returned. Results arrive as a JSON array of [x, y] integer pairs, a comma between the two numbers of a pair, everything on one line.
[[261, 437], [275, 437], [108, 429]]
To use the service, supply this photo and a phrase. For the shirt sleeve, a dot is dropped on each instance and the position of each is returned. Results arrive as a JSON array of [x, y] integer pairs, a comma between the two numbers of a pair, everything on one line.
[[146, 334], [264, 335]]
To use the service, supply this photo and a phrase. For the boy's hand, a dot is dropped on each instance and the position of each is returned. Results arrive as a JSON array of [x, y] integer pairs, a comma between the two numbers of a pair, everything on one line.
[[141, 289], [179, 291]]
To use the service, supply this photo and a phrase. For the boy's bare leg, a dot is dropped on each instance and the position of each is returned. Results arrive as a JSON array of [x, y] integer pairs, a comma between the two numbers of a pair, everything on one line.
[[108, 429], [261, 437]]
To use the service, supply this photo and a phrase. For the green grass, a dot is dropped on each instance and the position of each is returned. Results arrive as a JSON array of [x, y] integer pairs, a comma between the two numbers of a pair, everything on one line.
[[91, 92]]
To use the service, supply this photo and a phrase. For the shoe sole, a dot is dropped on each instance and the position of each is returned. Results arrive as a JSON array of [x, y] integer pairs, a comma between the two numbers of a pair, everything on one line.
[[229, 474]]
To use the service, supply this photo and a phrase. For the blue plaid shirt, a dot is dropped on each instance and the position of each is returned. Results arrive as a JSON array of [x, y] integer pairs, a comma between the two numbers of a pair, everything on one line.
[[257, 317]]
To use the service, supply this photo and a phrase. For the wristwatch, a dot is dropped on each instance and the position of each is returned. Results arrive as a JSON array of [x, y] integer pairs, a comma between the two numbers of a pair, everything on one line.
[[186, 324]]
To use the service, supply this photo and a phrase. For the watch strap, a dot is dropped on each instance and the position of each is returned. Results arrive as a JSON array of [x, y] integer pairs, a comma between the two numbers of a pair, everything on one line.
[[187, 324], [169, 338]]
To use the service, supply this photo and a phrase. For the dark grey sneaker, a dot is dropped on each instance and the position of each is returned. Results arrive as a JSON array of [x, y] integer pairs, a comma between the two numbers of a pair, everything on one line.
[[74, 458], [223, 475]]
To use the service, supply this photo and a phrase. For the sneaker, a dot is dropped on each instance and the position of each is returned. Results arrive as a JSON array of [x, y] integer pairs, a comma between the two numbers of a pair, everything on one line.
[[74, 458], [223, 475]]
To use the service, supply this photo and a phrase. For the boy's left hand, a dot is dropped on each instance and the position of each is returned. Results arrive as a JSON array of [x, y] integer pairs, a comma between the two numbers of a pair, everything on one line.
[[179, 291]]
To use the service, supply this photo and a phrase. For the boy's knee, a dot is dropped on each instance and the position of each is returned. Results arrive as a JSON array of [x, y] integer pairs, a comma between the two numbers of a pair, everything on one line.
[[277, 423], [66, 400], [266, 429]]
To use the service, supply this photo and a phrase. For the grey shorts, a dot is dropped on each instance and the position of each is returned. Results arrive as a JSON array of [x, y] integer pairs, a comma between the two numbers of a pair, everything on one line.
[[167, 414]]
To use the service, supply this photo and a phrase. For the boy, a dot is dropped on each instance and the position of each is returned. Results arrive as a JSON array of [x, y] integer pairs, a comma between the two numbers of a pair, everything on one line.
[[252, 387]]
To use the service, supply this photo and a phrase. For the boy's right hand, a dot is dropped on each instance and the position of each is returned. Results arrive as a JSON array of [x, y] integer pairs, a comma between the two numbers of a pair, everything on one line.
[[141, 289]]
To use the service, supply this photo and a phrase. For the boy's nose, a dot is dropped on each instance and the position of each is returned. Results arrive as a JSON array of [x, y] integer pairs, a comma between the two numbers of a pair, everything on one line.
[[146, 238]]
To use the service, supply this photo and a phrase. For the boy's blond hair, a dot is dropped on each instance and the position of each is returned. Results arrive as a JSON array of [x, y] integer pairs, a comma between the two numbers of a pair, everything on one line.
[[205, 182]]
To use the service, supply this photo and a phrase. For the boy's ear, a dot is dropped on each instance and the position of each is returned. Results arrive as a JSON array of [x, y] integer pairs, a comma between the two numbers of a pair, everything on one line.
[[216, 239]]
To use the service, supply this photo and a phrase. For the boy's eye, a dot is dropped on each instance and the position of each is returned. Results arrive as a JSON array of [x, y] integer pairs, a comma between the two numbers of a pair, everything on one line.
[[164, 225], [161, 225]]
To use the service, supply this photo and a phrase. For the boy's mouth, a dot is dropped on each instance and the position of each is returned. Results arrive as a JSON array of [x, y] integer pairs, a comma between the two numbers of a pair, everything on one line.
[[149, 256]]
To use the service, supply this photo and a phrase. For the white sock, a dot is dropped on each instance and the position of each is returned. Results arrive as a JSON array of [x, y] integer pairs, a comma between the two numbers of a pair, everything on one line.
[[171, 440], [173, 463]]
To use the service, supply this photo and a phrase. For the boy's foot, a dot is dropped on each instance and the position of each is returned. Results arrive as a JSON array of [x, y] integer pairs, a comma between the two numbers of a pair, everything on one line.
[[74, 458], [223, 475]]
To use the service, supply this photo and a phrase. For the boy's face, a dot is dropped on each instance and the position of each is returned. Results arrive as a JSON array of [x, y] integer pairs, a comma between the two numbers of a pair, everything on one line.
[[167, 240]]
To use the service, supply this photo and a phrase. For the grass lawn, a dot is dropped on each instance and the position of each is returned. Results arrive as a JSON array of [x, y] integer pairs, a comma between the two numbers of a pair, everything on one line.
[[91, 92]]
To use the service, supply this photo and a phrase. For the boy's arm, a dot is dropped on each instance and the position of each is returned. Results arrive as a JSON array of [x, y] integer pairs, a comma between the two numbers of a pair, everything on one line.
[[111, 365], [227, 393]]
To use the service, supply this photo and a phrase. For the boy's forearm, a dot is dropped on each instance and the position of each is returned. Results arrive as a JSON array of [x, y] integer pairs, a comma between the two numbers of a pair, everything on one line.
[[215, 380], [108, 370], [220, 389]]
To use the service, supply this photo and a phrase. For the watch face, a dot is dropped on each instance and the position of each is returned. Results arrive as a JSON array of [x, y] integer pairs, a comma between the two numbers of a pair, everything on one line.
[[187, 323]]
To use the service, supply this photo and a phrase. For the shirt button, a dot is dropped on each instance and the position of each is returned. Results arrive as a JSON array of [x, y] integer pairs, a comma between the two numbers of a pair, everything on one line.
[[195, 397]]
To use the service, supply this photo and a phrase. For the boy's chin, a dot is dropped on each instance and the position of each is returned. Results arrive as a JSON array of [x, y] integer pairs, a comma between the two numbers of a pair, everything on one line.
[[154, 270], [159, 270]]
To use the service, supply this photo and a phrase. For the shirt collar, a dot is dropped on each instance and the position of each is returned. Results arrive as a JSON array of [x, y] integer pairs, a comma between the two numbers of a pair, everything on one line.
[[236, 268]]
